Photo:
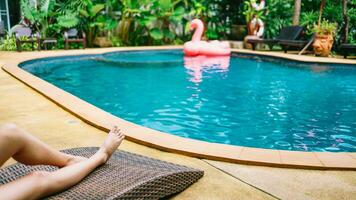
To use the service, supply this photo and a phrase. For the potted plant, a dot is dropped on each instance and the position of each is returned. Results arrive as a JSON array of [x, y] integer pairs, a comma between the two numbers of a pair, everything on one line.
[[324, 38], [254, 14], [253, 10]]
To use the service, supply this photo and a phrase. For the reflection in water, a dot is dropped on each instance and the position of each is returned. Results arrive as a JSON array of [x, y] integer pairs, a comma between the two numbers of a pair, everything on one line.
[[320, 68], [199, 64]]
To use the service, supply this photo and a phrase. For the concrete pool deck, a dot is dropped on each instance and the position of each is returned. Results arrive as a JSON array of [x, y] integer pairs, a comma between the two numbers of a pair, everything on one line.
[[222, 180], [168, 142]]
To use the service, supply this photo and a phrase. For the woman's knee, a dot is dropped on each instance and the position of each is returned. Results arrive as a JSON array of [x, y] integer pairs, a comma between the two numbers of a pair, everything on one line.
[[8, 127], [8, 131]]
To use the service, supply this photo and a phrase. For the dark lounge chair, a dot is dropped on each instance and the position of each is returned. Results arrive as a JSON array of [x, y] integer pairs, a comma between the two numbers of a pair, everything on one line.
[[72, 36], [287, 33], [124, 176], [294, 44], [347, 49], [25, 35]]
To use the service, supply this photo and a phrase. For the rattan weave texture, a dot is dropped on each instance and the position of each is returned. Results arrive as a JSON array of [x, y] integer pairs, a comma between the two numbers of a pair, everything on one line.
[[124, 176]]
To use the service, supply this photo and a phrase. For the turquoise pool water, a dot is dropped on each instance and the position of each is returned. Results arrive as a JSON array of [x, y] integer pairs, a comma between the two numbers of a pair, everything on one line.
[[244, 100]]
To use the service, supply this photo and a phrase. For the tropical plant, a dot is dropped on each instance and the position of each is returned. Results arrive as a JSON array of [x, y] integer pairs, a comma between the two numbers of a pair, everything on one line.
[[278, 15], [235, 9], [251, 12], [45, 18], [161, 20], [39, 15], [90, 20], [130, 10], [218, 20], [109, 20], [351, 13], [151, 22], [348, 22], [64, 6], [68, 20], [308, 20]]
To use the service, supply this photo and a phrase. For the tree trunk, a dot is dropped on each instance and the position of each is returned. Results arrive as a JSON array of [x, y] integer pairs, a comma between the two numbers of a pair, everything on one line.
[[322, 5], [345, 29], [296, 14]]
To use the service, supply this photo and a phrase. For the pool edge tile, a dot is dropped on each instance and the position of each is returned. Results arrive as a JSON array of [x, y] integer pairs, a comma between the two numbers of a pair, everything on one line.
[[353, 155], [300, 158], [336, 160], [260, 155]]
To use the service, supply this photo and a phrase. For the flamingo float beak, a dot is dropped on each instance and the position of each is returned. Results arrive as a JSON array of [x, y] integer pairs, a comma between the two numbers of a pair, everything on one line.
[[192, 27]]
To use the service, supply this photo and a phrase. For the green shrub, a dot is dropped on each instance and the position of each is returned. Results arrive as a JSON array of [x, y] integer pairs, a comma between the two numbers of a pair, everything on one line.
[[9, 44]]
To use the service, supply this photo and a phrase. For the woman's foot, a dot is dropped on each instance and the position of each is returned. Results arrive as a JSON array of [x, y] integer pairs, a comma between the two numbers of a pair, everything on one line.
[[111, 143]]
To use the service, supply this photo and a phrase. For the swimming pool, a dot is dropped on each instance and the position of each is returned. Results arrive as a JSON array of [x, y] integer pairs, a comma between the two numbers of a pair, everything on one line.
[[244, 101]]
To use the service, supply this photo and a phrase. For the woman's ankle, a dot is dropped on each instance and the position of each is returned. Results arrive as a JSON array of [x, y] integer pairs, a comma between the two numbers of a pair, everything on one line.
[[102, 156]]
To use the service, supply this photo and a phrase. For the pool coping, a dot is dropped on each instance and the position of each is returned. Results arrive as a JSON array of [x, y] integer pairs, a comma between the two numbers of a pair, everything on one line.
[[167, 142]]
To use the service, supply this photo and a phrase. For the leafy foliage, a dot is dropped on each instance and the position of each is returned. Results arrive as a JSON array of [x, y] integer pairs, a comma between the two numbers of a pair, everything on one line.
[[325, 28], [9, 44], [39, 15], [352, 15], [250, 12], [88, 21], [69, 20], [156, 22], [279, 14]]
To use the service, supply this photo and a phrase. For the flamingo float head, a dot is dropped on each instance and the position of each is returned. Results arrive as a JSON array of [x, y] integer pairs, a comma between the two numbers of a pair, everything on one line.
[[198, 26], [196, 23]]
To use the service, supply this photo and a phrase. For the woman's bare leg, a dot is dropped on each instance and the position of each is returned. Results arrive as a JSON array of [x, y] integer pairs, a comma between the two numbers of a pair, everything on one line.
[[27, 149], [41, 184]]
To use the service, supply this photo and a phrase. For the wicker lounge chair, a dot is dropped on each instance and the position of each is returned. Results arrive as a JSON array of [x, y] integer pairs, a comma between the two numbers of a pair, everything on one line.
[[124, 176], [73, 36], [347, 49], [24, 32], [287, 33]]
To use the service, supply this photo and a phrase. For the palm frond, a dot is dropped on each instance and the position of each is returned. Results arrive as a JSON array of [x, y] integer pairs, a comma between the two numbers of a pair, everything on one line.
[[68, 20], [47, 6]]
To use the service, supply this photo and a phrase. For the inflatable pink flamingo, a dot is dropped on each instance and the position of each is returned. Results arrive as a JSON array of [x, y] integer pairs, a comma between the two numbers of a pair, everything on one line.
[[198, 47]]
